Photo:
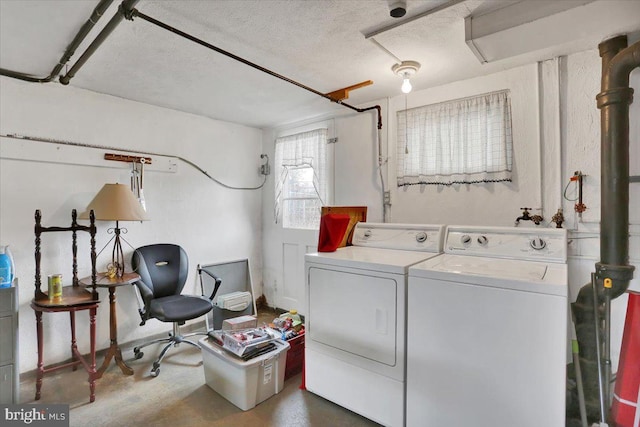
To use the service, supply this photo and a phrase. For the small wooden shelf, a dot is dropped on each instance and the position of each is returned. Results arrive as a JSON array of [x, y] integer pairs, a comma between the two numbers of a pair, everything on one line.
[[71, 296]]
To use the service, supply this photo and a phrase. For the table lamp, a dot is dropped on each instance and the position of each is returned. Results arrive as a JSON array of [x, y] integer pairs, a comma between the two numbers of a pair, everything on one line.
[[116, 202]]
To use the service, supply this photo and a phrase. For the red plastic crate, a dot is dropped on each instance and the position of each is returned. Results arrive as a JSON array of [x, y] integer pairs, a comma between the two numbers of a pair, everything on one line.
[[295, 357]]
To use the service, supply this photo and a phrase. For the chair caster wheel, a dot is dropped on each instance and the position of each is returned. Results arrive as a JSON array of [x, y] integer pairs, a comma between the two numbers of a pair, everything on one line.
[[155, 371], [138, 355]]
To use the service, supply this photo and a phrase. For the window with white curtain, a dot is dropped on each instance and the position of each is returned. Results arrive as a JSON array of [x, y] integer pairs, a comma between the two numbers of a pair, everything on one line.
[[301, 178], [456, 142]]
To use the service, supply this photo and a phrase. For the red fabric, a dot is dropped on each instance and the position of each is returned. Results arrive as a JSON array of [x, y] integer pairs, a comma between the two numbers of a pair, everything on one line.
[[332, 229], [303, 384], [628, 377]]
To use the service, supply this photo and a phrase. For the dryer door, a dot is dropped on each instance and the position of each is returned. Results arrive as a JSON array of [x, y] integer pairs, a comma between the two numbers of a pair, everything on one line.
[[353, 314]]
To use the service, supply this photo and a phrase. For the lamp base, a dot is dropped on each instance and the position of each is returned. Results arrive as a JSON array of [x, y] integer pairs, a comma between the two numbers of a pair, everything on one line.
[[117, 255]]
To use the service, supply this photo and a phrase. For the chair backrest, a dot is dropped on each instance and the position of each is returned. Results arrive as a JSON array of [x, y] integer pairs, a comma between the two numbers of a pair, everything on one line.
[[163, 268]]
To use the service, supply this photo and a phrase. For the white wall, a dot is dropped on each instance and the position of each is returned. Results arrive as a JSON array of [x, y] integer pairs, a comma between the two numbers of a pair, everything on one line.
[[486, 203], [556, 128], [212, 223]]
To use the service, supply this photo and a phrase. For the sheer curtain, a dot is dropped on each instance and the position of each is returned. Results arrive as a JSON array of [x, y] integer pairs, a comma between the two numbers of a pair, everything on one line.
[[294, 152], [462, 141]]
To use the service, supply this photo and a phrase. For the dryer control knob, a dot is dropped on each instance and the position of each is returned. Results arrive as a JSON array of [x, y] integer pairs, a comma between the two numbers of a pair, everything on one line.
[[482, 240], [421, 237], [465, 239], [538, 243]]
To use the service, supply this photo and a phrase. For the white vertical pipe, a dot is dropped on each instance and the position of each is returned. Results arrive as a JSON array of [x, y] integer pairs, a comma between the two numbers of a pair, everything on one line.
[[560, 143], [550, 134], [540, 138]]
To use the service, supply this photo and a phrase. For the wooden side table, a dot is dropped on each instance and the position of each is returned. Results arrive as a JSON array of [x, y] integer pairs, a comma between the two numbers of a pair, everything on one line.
[[74, 299], [114, 352]]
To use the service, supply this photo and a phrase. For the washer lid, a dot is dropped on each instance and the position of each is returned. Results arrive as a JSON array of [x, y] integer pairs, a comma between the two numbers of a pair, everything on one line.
[[531, 276], [375, 259]]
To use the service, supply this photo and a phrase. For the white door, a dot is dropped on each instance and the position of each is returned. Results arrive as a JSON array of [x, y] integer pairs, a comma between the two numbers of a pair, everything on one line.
[[370, 303], [290, 291], [302, 194]]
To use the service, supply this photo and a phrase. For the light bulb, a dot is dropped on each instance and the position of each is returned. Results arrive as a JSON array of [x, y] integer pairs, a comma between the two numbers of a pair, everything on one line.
[[406, 85]]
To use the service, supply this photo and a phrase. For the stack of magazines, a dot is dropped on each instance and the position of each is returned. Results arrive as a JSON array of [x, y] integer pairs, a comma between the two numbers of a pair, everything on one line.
[[246, 343]]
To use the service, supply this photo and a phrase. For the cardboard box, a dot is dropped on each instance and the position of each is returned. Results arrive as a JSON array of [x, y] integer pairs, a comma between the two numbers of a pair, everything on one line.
[[241, 322]]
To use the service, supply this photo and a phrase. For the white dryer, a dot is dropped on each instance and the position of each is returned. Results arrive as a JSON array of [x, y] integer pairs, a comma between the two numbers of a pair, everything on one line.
[[356, 325], [487, 330]]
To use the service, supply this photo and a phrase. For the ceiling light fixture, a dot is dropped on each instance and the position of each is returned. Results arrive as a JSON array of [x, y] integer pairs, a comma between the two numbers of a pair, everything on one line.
[[406, 69]]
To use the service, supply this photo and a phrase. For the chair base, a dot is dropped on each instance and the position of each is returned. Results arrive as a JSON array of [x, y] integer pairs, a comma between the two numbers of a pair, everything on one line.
[[174, 340]]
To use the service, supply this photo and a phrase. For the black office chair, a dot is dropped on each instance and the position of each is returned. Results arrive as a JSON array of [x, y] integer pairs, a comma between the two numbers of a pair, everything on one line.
[[163, 270]]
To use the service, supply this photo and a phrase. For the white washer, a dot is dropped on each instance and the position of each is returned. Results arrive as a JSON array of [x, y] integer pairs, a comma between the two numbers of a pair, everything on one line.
[[355, 352], [487, 330]]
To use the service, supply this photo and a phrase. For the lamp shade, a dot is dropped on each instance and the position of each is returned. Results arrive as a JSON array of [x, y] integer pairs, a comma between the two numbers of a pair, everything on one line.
[[115, 202]]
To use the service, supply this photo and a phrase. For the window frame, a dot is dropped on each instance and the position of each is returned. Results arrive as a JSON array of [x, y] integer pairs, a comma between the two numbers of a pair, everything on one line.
[[281, 199]]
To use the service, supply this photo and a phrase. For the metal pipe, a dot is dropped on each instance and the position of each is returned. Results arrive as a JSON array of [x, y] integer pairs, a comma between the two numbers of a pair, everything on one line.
[[579, 384], [127, 150], [97, 13], [613, 271], [136, 13], [596, 316], [123, 11], [383, 188], [613, 101], [606, 357]]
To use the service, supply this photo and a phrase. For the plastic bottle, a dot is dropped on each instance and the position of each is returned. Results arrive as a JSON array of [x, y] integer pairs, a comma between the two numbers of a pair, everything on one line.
[[293, 315], [7, 267]]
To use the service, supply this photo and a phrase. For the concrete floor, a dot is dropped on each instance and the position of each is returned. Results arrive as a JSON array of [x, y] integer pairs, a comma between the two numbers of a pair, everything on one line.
[[178, 397]]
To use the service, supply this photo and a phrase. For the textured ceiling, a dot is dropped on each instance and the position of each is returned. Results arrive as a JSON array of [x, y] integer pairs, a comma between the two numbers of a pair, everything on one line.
[[319, 43]]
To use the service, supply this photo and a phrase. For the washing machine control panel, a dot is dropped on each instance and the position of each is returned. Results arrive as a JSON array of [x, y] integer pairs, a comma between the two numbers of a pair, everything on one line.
[[542, 244], [413, 237]]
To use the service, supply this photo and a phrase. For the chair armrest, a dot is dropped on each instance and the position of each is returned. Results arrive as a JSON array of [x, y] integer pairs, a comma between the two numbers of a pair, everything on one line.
[[215, 287]]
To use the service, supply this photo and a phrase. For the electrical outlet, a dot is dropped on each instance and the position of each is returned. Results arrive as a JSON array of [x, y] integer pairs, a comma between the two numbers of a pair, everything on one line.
[[265, 169]]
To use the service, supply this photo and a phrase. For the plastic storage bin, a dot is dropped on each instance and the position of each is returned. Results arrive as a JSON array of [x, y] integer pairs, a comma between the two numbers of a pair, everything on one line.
[[245, 384]]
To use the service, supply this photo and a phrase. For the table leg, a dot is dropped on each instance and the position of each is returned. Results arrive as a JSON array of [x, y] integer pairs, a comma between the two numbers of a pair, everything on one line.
[[93, 375], [114, 350], [74, 343], [40, 370]]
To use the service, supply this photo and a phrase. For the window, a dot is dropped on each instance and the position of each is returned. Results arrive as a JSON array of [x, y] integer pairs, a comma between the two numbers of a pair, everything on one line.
[[462, 141], [301, 175]]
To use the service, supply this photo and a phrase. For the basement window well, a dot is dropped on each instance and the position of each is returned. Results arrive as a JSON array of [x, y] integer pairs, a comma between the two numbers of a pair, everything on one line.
[[456, 142], [301, 179]]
